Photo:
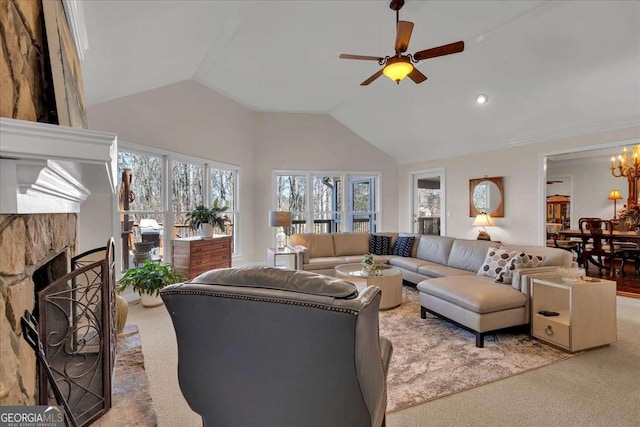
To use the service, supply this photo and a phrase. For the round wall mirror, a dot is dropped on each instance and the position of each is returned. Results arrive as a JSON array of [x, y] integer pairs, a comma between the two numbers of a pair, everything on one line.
[[486, 196]]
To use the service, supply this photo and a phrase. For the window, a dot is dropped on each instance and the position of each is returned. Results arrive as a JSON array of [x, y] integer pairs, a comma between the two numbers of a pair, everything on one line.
[[291, 196], [148, 218], [324, 211], [362, 211], [140, 205], [187, 192], [327, 206], [222, 187]]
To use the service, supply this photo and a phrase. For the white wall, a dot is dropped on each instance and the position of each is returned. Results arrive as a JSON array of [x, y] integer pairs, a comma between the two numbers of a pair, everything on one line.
[[192, 119], [189, 118], [524, 197], [94, 221], [186, 118], [592, 183], [314, 142]]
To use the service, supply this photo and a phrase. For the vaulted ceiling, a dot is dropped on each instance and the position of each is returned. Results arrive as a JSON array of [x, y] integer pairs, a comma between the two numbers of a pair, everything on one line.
[[550, 68]]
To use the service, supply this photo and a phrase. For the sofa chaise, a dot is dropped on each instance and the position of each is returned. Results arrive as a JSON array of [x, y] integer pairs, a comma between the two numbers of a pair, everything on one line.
[[445, 270]]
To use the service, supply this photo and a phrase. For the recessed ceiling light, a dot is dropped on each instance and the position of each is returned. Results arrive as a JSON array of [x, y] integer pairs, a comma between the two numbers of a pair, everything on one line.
[[482, 99]]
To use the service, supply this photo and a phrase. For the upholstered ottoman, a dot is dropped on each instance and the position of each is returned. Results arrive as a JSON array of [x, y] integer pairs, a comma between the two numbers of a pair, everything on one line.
[[474, 302]]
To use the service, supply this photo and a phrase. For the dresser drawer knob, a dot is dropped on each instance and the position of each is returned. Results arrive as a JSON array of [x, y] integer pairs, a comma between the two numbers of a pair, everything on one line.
[[548, 330]]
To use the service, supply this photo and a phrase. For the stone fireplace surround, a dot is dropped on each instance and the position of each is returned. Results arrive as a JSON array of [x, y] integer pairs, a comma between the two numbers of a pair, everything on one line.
[[26, 243], [46, 172]]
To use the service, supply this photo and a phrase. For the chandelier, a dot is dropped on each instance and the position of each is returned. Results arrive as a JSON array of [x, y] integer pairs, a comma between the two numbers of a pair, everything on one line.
[[627, 166]]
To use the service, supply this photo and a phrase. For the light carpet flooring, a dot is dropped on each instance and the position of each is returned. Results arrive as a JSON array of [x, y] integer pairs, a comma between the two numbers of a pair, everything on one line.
[[599, 387]]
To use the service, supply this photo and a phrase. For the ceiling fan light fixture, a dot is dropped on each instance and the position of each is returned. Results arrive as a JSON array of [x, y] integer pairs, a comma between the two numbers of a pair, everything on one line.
[[397, 69]]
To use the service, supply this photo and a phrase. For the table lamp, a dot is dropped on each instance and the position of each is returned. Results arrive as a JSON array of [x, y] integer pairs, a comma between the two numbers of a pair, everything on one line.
[[483, 220], [615, 196], [280, 219]]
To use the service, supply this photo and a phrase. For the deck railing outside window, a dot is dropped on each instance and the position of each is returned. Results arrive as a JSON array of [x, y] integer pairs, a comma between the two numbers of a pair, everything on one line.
[[330, 226]]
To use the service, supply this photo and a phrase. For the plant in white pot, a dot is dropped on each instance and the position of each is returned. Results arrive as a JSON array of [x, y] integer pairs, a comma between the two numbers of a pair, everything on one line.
[[148, 279], [370, 267], [213, 216]]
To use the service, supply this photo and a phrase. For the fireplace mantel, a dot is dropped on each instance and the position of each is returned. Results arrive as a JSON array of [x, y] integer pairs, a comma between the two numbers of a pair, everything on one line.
[[51, 169]]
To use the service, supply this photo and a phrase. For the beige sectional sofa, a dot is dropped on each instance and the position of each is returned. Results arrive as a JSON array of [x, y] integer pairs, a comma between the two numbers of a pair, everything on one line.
[[445, 272]]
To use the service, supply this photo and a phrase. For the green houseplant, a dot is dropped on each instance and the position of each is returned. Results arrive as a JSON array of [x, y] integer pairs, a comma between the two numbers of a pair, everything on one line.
[[148, 279], [370, 266], [208, 215]]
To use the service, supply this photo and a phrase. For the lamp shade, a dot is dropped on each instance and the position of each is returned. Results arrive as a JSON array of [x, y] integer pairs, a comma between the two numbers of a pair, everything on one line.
[[397, 69], [279, 219], [483, 220], [615, 195]]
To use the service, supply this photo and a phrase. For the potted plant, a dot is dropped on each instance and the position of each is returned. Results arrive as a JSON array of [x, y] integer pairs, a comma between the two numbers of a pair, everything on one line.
[[370, 267], [148, 279], [198, 217], [217, 220], [202, 215]]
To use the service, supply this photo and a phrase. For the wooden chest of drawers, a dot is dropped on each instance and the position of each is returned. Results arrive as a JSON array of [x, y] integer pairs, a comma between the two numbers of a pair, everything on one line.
[[195, 255]]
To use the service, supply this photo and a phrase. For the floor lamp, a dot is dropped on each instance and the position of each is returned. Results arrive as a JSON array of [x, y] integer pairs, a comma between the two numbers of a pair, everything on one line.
[[280, 219], [615, 196]]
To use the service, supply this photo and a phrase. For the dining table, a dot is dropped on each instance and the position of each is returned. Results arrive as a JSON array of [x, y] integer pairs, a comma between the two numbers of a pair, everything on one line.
[[622, 236], [630, 252]]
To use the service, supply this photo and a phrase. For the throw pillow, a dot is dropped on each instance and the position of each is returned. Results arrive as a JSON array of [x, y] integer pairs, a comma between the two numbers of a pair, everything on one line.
[[379, 245], [403, 246], [495, 262], [520, 260]]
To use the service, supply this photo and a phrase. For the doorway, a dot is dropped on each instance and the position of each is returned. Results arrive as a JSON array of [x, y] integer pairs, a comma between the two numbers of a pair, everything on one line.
[[428, 202], [588, 179], [559, 191], [362, 204]]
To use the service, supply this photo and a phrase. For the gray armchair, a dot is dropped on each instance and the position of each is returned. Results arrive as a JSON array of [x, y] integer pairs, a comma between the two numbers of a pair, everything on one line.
[[271, 347]]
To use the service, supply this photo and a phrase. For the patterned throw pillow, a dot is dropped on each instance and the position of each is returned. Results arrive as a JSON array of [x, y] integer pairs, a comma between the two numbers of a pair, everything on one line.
[[380, 245], [520, 260], [403, 246], [495, 262]]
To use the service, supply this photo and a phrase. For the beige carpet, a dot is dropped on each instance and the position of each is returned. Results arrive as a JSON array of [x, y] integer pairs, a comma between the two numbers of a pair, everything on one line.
[[434, 358], [597, 388]]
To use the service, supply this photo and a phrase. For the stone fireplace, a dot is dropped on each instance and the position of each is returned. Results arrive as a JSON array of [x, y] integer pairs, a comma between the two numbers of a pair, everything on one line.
[[27, 242], [46, 172]]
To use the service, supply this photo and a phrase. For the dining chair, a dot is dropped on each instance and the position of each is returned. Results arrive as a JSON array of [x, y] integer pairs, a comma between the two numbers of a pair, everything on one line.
[[597, 235]]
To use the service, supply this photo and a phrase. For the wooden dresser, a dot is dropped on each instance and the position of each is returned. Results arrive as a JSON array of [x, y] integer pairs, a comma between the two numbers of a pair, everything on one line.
[[195, 255]]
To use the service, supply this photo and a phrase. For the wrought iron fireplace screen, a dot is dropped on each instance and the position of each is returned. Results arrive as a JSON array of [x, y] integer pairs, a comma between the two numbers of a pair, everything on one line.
[[77, 328]]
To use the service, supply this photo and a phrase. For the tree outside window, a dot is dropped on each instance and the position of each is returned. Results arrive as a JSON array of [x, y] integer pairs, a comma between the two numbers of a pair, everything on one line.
[[143, 214]]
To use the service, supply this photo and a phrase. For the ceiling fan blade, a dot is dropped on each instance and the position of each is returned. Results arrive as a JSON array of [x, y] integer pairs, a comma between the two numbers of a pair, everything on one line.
[[446, 49], [372, 78], [362, 57], [417, 76], [403, 35]]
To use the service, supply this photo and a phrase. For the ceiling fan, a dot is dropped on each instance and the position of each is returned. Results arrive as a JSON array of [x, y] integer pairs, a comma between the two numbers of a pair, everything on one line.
[[399, 66]]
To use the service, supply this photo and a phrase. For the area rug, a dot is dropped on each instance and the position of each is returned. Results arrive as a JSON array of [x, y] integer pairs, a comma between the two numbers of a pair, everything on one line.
[[132, 404], [433, 358]]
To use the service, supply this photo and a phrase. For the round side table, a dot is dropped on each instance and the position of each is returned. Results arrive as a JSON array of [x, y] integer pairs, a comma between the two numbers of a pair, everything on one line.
[[390, 282]]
